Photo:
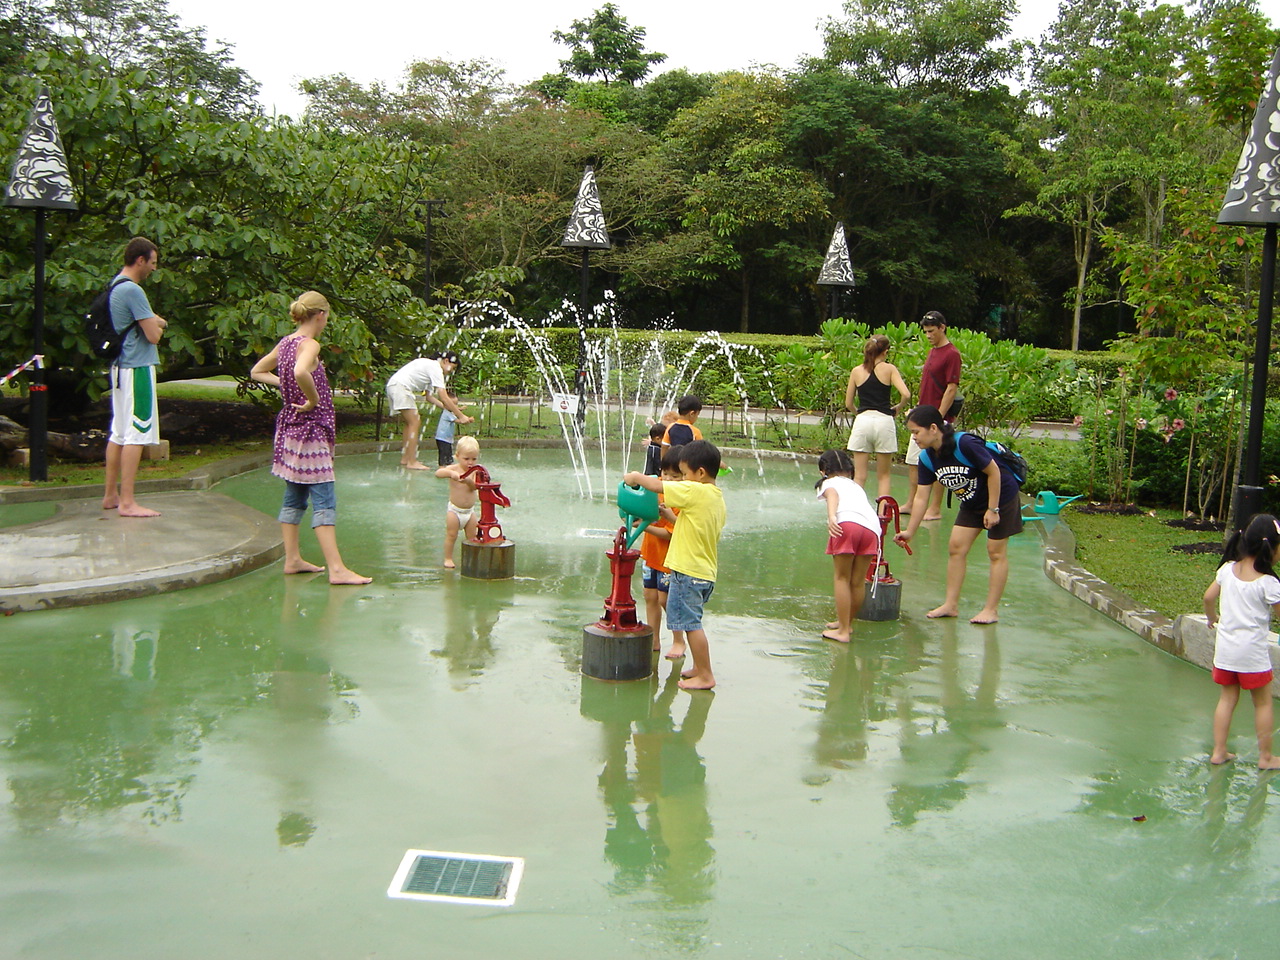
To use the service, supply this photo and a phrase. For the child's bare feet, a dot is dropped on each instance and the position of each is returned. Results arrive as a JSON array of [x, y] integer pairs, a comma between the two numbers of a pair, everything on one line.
[[135, 510], [932, 516], [938, 613], [833, 625], [840, 636], [676, 652], [449, 564], [1224, 758], [347, 578], [697, 682], [110, 503], [415, 465], [1269, 763], [985, 616], [301, 566]]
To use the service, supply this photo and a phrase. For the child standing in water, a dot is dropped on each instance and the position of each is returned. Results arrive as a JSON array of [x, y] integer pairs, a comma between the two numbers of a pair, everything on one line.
[[854, 539], [1245, 591], [460, 514], [694, 551], [656, 576]]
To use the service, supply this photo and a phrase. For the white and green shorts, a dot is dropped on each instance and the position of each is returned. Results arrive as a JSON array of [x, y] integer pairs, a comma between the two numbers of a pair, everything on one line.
[[134, 418]]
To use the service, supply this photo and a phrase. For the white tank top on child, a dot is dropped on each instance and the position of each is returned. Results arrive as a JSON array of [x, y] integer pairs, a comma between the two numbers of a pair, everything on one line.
[[852, 505]]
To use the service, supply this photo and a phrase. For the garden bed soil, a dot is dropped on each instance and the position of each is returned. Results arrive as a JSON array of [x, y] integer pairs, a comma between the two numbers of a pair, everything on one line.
[[1114, 509], [1197, 524], [1213, 546]]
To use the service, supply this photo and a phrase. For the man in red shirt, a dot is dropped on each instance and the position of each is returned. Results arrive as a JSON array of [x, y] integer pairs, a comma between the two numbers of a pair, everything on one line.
[[939, 381]]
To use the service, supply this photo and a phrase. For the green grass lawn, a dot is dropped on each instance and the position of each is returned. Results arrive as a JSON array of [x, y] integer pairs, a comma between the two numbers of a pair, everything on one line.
[[1134, 554]]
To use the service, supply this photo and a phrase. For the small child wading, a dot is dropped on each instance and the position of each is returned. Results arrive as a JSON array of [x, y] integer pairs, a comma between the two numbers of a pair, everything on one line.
[[1245, 591], [854, 540], [460, 514], [694, 551]]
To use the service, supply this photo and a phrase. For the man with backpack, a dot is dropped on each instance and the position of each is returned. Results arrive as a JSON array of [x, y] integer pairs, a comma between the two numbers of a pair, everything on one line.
[[135, 421], [939, 384]]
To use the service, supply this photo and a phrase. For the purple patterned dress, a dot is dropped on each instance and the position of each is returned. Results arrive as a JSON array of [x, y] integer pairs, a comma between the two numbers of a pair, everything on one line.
[[303, 451]]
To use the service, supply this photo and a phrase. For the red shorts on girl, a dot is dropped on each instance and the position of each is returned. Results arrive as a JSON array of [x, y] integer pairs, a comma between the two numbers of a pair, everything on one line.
[[1247, 681], [854, 538]]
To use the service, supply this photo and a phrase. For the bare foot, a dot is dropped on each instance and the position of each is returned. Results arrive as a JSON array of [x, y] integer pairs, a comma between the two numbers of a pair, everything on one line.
[[348, 578], [938, 613], [833, 625], [934, 516], [837, 637], [415, 466], [449, 564], [302, 566], [110, 503], [983, 616], [697, 683], [136, 511], [904, 511], [1270, 763], [1225, 758], [676, 652], [686, 674]]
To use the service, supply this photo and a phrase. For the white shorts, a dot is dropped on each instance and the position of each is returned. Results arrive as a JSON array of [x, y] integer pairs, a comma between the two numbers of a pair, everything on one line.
[[134, 418], [913, 453], [873, 432], [401, 398]]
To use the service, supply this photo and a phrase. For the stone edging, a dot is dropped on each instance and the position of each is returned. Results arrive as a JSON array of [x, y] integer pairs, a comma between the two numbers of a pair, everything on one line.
[[1187, 637]]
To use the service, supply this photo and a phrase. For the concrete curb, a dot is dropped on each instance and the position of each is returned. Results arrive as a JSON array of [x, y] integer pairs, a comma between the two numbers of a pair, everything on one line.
[[1187, 637]]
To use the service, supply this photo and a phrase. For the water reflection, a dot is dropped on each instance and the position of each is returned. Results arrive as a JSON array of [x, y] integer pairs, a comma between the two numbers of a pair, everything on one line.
[[658, 829], [940, 744], [307, 695]]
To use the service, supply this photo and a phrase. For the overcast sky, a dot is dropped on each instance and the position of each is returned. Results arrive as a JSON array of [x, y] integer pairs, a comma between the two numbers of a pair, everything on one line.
[[278, 44]]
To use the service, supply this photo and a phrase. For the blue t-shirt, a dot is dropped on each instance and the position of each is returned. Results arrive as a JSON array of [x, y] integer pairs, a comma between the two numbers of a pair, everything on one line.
[[445, 428], [129, 303], [969, 483]]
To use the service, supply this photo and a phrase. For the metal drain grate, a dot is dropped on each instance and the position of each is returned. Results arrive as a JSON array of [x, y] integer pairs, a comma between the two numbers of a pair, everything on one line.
[[457, 878]]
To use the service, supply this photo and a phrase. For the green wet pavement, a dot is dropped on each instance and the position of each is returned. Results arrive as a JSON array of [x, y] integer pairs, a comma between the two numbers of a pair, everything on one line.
[[235, 770]]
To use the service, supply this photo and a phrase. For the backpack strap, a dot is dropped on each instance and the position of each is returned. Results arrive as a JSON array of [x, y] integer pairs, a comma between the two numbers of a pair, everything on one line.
[[124, 334], [959, 454]]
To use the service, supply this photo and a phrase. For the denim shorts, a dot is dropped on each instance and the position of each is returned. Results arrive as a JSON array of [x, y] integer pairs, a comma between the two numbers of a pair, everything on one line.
[[685, 601], [652, 579], [324, 503]]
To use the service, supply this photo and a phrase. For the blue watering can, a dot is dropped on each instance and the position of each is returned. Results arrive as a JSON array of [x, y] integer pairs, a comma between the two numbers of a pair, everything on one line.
[[1048, 502], [636, 503]]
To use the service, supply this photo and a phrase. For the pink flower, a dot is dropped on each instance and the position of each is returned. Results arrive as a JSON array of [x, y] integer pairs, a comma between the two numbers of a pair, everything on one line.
[[1179, 423], [1077, 421], [1142, 423], [1171, 394], [1110, 412], [1168, 434]]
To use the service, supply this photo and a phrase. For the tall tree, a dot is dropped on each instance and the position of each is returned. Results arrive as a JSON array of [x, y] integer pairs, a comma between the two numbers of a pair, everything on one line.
[[607, 47], [1106, 85]]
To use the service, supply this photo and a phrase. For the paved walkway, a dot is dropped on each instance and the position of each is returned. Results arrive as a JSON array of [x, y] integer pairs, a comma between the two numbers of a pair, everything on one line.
[[84, 554]]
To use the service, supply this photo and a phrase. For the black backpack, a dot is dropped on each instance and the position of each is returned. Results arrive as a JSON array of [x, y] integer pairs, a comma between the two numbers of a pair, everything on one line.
[[104, 341], [1015, 462]]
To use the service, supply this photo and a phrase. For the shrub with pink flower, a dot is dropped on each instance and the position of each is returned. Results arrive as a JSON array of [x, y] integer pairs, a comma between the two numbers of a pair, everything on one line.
[[1171, 394]]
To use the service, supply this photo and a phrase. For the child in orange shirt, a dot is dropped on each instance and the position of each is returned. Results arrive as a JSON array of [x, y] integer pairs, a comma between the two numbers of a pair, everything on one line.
[[653, 554]]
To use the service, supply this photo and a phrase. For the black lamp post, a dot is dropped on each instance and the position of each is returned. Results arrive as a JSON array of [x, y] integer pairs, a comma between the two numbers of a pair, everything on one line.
[[585, 231], [1253, 200], [837, 269], [437, 207], [40, 180]]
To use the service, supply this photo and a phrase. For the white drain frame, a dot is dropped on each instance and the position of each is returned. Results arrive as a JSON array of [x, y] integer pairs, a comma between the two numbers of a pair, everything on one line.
[[397, 891]]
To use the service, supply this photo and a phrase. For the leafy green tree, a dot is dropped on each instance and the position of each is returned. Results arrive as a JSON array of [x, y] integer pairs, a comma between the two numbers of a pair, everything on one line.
[[605, 45], [745, 196], [247, 214], [1106, 84]]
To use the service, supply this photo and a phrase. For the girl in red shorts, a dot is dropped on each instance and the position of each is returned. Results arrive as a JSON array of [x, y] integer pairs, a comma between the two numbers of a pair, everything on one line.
[[854, 541], [1246, 590]]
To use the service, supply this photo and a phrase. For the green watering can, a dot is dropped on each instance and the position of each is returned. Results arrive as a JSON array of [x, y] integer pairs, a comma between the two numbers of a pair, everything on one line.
[[636, 503], [1049, 503]]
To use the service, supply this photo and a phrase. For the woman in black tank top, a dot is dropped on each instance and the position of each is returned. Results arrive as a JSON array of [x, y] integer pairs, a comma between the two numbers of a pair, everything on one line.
[[873, 428]]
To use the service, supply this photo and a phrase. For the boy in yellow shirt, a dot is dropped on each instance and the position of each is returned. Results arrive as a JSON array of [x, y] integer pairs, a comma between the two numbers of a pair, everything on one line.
[[694, 550]]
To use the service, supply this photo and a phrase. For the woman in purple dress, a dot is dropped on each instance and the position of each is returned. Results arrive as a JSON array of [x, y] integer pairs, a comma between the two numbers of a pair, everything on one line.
[[303, 453]]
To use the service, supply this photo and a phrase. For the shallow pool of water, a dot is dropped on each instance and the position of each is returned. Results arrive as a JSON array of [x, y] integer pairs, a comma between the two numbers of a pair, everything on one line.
[[235, 771]]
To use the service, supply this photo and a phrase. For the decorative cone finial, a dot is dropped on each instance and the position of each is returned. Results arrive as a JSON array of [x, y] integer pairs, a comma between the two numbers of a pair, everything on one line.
[[586, 228], [837, 269], [1253, 196], [40, 177]]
